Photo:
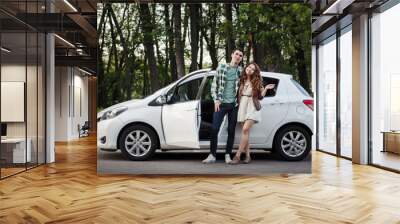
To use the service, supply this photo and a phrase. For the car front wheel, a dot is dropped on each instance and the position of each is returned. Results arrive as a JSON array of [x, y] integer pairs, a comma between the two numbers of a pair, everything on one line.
[[138, 142], [293, 143]]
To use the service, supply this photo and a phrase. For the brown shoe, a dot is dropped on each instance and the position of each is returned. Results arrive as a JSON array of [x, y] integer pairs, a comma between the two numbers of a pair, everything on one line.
[[235, 160], [247, 159]]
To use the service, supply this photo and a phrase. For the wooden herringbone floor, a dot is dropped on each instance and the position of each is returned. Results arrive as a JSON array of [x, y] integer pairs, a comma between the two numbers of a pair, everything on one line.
[[70, 191]]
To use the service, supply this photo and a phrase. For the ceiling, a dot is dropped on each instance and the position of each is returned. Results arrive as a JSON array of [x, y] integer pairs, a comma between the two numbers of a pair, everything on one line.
[[329, 15], [73, 22]]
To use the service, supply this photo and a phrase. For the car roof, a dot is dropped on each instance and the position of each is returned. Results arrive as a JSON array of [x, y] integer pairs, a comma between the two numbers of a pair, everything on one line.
[[276, 75]]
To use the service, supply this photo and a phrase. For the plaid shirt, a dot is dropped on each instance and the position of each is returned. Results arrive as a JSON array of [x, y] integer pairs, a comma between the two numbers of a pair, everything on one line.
[[218, 84]]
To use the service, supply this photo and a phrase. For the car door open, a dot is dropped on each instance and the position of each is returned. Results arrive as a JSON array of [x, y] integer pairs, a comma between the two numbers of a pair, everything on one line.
[[181, 116]]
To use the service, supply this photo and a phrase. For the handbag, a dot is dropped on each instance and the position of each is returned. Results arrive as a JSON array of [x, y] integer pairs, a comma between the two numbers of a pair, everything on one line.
[[256, 101], [257, 104]]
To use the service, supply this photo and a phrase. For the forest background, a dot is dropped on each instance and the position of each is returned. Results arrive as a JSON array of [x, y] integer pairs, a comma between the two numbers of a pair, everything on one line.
[[144, 47]]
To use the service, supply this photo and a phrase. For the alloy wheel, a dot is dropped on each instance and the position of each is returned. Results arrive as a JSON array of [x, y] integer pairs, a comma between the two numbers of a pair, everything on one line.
[[137, 143], [293, 143]]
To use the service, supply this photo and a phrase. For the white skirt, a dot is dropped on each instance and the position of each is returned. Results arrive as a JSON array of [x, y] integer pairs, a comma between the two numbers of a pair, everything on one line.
[[247, 111]]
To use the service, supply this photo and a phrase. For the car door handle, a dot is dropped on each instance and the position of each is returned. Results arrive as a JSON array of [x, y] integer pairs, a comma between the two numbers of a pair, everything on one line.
[[276, 102]]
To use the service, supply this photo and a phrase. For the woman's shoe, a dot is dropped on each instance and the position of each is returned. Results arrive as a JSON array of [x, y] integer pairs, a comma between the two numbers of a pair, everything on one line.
[[247, 159], [235, 160]]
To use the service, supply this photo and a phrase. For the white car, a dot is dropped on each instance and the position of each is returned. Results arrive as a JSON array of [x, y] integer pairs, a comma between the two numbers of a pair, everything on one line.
[[179, 116]]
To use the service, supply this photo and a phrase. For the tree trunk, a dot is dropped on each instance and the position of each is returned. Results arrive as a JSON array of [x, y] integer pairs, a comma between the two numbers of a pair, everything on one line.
[[201, 50], [249, 47], [159, 58], [114, 41], [130, 79], [166, 62], [211, 40], [124, 58], [274, 51], [101, 90], [145, 82], [116, 79], [230, 42], [171, 50], [148, 42], [194, 35], [239, 30], [129, 68], [259, 55], [180, 63], [119, 30], [102, 18], [185, 24], [302, 69]]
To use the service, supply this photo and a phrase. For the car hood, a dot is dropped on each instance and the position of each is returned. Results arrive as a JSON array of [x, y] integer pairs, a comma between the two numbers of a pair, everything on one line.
[[136, 102], [128, 103]]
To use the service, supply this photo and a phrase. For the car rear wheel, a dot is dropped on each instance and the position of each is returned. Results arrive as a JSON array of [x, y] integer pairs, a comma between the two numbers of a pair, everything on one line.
[[138, 142], [293, 143]]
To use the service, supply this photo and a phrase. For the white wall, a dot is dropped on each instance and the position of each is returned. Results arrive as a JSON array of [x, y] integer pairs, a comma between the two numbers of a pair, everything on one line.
[[70, 84], [61, 103], [80, 89]]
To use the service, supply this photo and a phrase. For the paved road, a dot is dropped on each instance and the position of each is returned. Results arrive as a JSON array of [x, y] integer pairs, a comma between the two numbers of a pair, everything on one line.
[[186, 162]]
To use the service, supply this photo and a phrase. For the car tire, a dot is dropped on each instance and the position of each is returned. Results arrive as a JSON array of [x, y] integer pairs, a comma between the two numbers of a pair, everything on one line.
[[138, 142], [292, 143]]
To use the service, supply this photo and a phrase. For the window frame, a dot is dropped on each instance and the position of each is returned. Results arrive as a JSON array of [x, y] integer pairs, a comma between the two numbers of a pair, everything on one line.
[[175, 88]]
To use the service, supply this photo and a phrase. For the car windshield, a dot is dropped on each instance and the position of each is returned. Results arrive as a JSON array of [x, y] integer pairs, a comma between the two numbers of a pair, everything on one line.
[[158, 92]]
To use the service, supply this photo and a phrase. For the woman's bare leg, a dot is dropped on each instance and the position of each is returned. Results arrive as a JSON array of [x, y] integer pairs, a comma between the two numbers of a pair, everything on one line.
[[244, 140], [241, 147], [248, 124]]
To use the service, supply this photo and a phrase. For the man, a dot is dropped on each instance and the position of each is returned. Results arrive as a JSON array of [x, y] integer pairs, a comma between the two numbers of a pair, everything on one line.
[[224, 89]]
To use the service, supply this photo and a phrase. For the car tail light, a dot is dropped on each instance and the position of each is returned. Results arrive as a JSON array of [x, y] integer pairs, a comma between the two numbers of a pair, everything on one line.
[[309, 104]]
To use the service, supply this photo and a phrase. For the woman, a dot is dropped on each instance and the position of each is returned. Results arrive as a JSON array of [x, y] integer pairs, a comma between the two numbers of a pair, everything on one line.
[[251, 89]]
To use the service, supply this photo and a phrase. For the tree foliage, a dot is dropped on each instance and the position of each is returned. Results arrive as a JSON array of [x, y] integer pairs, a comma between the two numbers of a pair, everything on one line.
[[143, 47]]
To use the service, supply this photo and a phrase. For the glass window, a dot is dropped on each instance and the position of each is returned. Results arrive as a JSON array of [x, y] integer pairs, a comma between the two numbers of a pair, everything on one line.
[[32, 95], [385, 88], [327, 95], [346, 92], [22, 91], [206, 94], [15, 149]]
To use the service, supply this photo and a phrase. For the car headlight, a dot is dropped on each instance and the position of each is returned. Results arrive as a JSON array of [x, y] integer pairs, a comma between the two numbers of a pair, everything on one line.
[[112, 113]]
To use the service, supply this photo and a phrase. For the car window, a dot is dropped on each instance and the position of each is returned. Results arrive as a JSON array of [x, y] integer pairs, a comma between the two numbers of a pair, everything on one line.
[[268, 80], [206, 94], [302, 90], [186, 91]]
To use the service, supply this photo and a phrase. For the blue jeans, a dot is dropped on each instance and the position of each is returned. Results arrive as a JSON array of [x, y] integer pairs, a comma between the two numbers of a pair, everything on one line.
[[224, 109]]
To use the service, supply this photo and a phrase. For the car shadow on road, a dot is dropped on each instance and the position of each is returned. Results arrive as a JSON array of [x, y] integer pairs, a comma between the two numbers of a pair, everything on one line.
[[185, 155]]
